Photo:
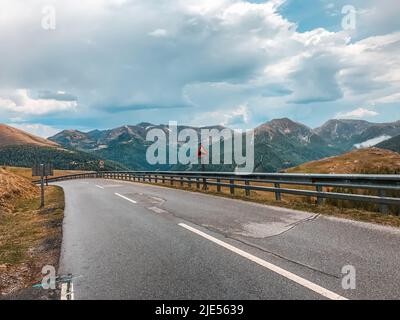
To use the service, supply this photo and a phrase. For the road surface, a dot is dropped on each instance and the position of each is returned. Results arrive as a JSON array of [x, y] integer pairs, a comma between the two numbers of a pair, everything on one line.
[[125, 240]]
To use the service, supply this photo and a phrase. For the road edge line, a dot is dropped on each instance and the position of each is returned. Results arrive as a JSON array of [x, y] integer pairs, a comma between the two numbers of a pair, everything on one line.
[[291, 276]]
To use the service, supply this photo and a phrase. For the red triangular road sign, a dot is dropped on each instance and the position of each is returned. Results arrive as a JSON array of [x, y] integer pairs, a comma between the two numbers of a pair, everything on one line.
[[201, 152]]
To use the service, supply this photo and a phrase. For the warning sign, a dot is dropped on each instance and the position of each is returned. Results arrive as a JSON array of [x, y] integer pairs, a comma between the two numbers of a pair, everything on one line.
[[202, 152], [101, 164]]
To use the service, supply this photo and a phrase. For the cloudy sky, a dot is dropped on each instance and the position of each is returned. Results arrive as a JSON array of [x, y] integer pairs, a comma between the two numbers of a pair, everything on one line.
[[105, 63]]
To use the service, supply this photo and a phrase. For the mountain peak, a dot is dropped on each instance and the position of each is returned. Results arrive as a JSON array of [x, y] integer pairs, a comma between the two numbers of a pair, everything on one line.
[[343, 129], [285, 126], [286, 123]]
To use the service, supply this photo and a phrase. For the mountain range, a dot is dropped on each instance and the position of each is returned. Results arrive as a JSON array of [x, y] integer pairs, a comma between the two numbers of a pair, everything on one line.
[[21, 149], [279, 144]]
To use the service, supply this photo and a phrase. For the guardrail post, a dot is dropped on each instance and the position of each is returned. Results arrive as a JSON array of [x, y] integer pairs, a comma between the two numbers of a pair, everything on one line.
[[181, 182], [247, 183], [163, 179], [190, 182], [232, 187], [205, 187], [278, 196], [320, 200], [383, 208], [171, 181], [218, 186], [197, 183]]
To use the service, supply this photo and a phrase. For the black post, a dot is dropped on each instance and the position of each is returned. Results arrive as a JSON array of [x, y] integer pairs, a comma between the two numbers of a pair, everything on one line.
[[42, 186], [247, 183], [278, 196]]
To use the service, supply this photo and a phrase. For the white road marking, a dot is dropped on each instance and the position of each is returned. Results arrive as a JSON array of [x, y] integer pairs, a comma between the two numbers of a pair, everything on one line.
[[64, 287], [157, 210], [72, 296], [100, 187], [67, 290], [301, 281], [123, 197]]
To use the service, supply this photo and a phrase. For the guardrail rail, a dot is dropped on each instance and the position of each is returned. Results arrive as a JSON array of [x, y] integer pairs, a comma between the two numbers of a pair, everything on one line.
[[320, 183]]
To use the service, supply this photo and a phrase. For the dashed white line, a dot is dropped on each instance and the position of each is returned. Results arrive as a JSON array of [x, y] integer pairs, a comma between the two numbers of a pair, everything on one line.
[[67, 290], [123, 197], [291, 276], [72, 296], [100, 187], [157, 210], [64, 288]]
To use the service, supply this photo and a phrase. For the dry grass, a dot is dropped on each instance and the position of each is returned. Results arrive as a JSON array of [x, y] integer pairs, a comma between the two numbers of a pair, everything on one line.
[[13, 187], [10, 136], [30, 238], [371, 160], [27, 172]]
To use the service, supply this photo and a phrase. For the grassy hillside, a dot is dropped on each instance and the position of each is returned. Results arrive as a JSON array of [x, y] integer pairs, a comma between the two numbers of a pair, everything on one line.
[[364, 161], [10, 136], [27, 172], [26, 156], [367, 161], [13, 187]]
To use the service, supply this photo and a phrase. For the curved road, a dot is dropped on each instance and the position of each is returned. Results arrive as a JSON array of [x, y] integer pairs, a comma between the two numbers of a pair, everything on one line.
[[125, 240]]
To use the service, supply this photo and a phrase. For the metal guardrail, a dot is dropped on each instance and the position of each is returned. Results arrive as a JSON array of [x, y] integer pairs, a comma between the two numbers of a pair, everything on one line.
[[251, 182]]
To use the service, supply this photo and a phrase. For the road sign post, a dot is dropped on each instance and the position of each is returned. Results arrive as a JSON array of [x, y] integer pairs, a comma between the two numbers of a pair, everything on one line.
[[42, 186], [42, 171], [102, 164]]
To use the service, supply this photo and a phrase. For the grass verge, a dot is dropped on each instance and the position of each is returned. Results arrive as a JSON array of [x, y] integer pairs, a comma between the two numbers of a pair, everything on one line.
[[30, 238], [27, 172]]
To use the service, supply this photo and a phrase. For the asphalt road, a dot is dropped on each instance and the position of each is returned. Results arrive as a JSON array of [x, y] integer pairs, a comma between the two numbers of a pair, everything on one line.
[[125, 240]]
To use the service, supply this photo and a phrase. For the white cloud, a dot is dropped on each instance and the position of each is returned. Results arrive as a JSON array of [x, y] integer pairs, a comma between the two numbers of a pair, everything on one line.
[[237, 117], [392, 98], [20, 102], [223, 53], [36, 129], [372, 142], [359, 113], [159, 33]]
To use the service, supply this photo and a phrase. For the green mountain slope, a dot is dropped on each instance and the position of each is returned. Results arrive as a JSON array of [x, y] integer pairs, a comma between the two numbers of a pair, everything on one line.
[[26, 156], [392, 144]]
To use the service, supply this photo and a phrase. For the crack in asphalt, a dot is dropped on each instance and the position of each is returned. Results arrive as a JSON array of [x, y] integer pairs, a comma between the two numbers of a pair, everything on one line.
[[255, 246]]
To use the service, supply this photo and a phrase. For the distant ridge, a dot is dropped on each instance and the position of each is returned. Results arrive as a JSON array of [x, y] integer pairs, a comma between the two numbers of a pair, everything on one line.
[[10, 136], [22, 149], [279, 143]]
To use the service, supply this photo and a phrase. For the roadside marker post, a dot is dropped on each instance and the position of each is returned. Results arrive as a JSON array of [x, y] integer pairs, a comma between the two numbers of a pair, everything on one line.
[[42, 186], [42, 171]]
